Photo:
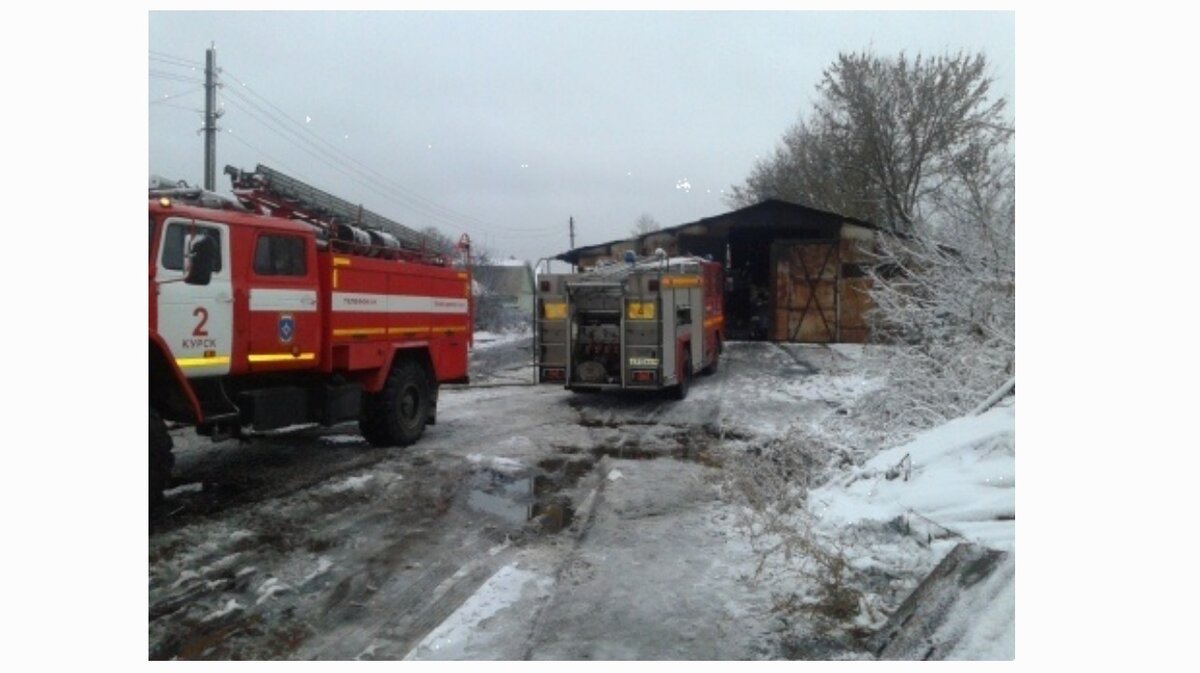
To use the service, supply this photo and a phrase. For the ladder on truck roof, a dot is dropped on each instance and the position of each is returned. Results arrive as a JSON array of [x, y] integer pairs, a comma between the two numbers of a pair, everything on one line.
[[267, 186], [616, 272]]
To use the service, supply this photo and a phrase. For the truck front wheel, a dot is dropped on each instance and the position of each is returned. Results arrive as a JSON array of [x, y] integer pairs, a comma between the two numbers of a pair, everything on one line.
[[396, 415], [161, 459]]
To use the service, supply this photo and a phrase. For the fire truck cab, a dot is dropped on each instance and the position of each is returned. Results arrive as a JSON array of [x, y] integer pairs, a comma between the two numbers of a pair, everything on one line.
[[645, 324]]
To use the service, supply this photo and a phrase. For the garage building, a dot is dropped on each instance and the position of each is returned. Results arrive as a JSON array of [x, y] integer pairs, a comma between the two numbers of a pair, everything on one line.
[[794, 273]]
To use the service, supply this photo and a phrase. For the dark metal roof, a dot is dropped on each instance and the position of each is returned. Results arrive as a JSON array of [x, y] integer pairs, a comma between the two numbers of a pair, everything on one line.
[[731, 218]]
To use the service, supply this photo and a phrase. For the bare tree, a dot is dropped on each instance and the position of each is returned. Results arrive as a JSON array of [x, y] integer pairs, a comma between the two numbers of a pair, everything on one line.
[[438, 242], [885, 136], [442, 244], [645, 224], [805, 169]]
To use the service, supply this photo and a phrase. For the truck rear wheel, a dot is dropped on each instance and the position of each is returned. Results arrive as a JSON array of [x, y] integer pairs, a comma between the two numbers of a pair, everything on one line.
[[396, 415], [161, 458]]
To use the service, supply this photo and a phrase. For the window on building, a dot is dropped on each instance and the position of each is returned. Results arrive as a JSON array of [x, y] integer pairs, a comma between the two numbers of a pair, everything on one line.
[[179, 237], [279, 255]]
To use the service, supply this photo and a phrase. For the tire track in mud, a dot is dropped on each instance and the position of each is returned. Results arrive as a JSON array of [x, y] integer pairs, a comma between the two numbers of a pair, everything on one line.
[[257, 581], [424, 555], [585, 515], [406, 607], [278, 467], [240, 484]]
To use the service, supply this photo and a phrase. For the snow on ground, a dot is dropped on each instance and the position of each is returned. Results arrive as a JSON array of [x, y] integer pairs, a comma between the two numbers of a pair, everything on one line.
[[950, 484], [831, 389], [485, 339], [350, 484], [343, 439], [849, 351], [453, 638], [960, 476]]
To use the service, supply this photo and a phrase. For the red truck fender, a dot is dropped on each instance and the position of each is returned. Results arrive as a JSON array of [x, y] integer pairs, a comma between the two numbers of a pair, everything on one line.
[[170, 391], [374, 382]]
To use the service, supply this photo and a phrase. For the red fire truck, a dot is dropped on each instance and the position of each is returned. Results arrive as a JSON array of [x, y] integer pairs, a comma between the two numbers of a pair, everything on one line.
[[290, 306], [645, 324]]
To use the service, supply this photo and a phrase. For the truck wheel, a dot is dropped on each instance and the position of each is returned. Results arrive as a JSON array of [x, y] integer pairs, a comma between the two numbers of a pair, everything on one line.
[[161, 458], [680, 391], [372, 428], [396, 415], [372, 421]]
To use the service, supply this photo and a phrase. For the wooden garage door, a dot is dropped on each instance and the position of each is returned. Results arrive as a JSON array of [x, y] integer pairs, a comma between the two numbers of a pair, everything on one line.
[[805, 281]]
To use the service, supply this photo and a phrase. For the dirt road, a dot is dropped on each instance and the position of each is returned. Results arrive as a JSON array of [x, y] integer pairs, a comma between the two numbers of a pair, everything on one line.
[[529, 523]]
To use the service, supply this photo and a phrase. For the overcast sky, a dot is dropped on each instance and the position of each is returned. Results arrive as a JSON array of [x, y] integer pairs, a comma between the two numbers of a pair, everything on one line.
[[504, 125]]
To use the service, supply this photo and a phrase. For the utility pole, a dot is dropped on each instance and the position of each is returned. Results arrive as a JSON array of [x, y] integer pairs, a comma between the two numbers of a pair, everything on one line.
[[210, 119], [574, 267]]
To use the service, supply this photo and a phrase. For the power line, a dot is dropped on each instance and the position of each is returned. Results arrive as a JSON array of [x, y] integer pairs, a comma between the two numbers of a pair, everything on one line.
[[274, 124], [173, 64], [171, 96], [177, 107], [163, 56], [274, 128], [159, 74], [425, 206], [330, 159], [336, 154], [329, 155], [234, 136]]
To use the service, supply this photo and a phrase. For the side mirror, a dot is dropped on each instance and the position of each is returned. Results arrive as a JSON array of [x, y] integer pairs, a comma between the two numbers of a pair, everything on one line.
[[201, 258]]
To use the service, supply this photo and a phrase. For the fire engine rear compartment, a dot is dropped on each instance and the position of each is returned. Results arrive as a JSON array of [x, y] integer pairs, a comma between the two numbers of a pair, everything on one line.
[[649, 324], [600, 358], [595, 336]]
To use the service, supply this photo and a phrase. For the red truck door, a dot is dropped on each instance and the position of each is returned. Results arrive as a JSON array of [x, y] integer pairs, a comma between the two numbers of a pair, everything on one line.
[[284, 322]]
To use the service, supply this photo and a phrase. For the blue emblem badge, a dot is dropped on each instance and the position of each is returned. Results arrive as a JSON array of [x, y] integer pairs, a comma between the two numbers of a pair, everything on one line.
[[287, 328]]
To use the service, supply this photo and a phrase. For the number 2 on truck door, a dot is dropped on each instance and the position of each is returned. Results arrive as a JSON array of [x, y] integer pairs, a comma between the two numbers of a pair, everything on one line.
[[195, 320]]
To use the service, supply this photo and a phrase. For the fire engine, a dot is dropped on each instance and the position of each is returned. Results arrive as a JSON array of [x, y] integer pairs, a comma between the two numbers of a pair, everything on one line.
[[645, 324], [287, 305]]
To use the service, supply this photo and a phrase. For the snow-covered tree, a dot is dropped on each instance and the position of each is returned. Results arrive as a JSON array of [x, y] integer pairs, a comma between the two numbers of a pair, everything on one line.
[[885, 136], [949, 298]]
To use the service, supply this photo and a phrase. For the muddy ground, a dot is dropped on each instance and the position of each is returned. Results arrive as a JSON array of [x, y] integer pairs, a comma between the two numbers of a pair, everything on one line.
[[529, 523]]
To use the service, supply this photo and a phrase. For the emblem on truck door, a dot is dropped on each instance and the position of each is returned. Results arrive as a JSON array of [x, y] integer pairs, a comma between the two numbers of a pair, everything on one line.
[[287, 328]]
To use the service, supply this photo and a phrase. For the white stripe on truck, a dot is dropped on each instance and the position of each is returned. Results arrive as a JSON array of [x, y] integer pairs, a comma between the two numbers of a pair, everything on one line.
[[360, 302], [300, 301]]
